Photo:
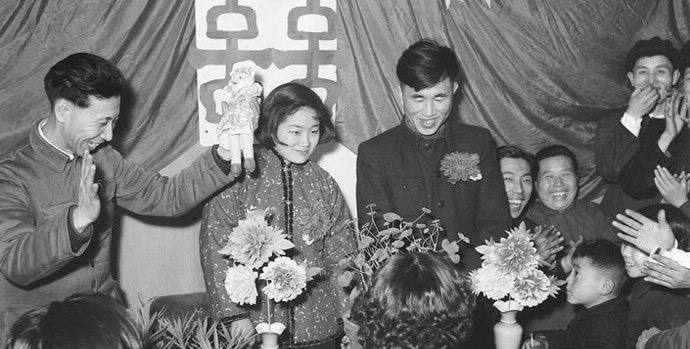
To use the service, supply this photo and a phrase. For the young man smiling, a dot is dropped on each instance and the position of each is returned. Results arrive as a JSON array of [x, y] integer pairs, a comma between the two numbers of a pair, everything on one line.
[[651, 72], [418, 163]]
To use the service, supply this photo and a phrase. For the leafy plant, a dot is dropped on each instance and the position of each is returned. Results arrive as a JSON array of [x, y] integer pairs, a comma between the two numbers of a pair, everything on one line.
[[375, 245]]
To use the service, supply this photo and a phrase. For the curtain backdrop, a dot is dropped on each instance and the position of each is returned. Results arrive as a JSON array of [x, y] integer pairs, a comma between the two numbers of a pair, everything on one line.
[[148, 40], [536, 72]]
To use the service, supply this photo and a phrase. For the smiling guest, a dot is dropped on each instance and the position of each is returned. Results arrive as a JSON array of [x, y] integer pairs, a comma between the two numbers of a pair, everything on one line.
[[558, 206], [58, 189], [517, 168]]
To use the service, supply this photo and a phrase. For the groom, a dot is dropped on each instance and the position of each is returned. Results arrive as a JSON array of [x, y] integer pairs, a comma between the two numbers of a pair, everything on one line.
[[429, 161]]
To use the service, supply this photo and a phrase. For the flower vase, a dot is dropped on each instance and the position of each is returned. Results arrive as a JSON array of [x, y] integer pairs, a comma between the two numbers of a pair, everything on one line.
[[507, 331], [269, 334]]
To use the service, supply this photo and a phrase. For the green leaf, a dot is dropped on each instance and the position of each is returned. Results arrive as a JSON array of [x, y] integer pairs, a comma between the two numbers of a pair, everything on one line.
[[391, 217], [345, 279]]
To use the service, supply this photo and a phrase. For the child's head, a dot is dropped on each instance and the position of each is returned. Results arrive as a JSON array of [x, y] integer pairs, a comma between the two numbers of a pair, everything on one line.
[[25, 332], [293, 121], [598, 273], [651, 62], [81, 321], [415, 297], [680, 226]]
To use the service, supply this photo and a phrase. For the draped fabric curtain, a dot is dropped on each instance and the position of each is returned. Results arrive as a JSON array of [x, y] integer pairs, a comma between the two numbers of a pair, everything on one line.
[[148, 40], [535, 72]]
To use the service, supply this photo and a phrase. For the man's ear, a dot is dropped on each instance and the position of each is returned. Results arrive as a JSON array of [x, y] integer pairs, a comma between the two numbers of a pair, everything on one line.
[[455, 87], [606, 286], [62, 109], [397, 94], [631, 77], [676, 76]]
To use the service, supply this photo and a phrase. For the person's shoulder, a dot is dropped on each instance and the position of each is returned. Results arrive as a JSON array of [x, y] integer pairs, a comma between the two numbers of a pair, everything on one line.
[[15, 158], [462, 129], [392, 135]]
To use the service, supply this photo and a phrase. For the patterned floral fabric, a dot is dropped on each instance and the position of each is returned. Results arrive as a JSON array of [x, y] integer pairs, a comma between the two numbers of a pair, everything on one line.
[[318, 230]]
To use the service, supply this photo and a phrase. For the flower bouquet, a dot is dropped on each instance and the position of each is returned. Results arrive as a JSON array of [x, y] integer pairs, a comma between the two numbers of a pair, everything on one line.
[[257, 251], [510, 275], [375, 245]]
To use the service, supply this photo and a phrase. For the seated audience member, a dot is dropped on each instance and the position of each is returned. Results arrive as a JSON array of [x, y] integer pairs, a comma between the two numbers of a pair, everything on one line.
[[417, 300], [557, 204], [577, 220], [595, 282], [88, 321], [653, 305], [650, 67], [517, 168]]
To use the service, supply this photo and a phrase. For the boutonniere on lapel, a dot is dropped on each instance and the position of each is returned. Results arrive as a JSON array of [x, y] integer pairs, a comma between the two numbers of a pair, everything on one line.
[[458, 166]]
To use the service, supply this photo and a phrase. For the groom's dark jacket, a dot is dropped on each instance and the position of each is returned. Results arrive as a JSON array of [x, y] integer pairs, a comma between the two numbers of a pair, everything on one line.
[[399, 171]]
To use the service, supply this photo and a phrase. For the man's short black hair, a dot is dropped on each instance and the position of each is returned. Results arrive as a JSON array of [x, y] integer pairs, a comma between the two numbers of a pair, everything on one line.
[[426, 63], [683, 60], [515, 152], [80, 76], [553, 151], [604, 255], [649, 48]]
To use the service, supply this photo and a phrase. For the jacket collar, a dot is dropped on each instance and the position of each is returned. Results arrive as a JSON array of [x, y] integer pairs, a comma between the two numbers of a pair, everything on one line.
[[53, 157]]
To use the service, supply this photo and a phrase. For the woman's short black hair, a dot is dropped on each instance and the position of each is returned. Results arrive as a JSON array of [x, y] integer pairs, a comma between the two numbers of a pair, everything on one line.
[[284, 101]]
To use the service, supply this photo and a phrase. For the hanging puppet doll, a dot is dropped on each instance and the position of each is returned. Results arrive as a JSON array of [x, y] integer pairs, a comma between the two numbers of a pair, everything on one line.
[[238, 117]]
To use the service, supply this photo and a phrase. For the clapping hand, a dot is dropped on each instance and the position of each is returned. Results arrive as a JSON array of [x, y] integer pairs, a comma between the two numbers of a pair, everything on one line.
[[548, 242], [644, 233], [676, 114], [666, 272], [674, 189], [567, 260], [89, 204]]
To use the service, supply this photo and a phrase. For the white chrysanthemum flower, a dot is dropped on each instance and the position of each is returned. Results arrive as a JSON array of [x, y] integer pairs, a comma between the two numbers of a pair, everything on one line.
[[253, 241], [240, 284], [532, 289], [490, 281], [286, 279]]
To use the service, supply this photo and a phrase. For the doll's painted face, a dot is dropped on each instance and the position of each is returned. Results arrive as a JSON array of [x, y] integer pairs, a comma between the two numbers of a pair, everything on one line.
[[241, 77], [298, 135], [634, 258]]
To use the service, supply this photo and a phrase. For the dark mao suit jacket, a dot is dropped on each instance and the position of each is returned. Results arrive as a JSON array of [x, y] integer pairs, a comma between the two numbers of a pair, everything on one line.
[[390, 174]]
